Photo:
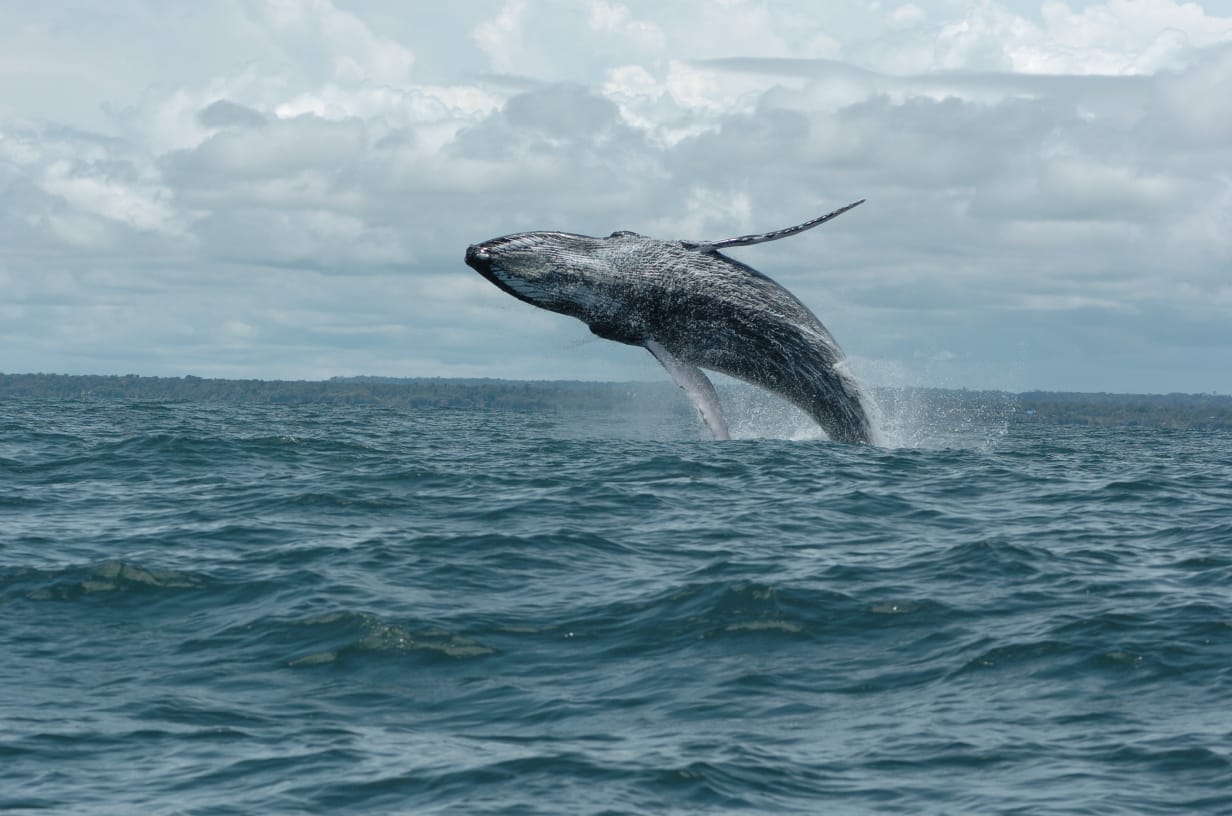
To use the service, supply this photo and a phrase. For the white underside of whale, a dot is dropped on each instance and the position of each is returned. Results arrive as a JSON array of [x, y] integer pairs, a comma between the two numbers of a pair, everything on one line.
[[696, 384]]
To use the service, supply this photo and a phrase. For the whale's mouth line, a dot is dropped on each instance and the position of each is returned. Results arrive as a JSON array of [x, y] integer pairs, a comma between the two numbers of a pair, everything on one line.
[[479, 258]]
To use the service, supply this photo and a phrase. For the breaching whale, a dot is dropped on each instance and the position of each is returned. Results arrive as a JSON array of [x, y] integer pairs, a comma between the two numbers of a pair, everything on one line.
[[692, 307]]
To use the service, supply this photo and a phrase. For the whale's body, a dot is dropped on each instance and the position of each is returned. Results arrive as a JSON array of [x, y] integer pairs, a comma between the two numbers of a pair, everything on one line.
[[692, 307]]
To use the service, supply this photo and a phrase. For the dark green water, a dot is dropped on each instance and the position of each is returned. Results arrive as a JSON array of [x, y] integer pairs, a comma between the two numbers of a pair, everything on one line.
[[244, 609]]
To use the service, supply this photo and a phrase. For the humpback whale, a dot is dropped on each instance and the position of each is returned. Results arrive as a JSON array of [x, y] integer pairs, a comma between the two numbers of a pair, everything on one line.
[[692, 307]]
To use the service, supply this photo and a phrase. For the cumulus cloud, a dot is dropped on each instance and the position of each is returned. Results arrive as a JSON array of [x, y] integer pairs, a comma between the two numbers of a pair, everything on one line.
[[616, 18], [1049, 199]]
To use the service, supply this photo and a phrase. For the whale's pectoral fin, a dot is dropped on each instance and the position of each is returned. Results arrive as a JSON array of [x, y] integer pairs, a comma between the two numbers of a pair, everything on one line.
[[763, 237], [696, 385]]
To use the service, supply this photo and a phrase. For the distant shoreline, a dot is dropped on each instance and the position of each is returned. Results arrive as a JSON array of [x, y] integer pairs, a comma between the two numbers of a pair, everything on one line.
[[1182, 411]]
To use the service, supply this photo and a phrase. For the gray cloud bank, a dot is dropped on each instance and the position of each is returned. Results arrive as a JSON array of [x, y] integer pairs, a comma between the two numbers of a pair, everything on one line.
[[285, 189]]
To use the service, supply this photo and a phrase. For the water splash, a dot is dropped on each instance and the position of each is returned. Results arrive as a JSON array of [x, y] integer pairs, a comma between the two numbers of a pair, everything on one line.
[[902, 417], [756, 414], [941, 418]]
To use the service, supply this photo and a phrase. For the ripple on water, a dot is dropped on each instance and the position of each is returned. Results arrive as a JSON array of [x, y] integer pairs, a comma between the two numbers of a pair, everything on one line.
[[343, 609]]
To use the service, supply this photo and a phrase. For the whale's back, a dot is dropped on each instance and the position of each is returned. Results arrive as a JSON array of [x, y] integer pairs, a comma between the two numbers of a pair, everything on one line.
[[719, 314]]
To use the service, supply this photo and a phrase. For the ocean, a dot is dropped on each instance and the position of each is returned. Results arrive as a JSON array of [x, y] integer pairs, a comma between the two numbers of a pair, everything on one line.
[[241, 608]]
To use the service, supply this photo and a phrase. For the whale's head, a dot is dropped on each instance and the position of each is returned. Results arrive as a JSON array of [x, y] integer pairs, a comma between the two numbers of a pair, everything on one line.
[[558, 271]]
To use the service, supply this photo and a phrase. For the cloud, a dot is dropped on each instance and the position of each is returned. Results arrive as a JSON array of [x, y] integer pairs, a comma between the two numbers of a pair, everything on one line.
[[307, 30], [1048, 204], [224, 113], [616, 18], [501, 38]]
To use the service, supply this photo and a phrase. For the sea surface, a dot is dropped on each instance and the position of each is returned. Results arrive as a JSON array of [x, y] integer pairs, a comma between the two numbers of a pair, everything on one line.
[[255, 609]]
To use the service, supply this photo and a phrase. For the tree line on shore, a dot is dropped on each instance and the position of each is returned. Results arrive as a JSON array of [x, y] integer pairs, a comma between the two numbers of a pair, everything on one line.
[[1180, 411]]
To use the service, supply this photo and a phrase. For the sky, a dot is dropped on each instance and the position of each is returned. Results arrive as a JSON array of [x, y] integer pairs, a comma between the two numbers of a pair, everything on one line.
[[284, 189]]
